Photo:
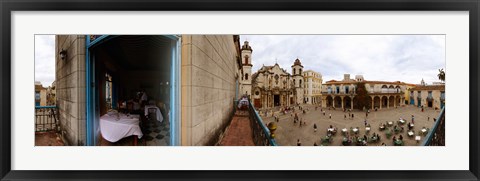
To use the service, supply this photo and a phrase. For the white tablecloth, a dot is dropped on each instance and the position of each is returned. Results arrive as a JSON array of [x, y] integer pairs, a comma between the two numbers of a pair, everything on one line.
[[159, 114], [113, 130]]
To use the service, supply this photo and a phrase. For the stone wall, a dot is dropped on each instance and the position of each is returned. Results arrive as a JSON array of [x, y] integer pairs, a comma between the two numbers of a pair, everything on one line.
[[208, 87], [70, 87]]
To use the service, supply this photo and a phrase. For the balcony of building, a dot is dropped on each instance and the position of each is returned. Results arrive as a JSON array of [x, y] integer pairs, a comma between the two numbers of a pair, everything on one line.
[[247, 128], [436, 137], [47, 126]]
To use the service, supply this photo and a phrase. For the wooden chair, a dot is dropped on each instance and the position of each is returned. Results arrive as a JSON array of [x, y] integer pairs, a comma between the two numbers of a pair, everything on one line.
[[130, 107], [152, 114]]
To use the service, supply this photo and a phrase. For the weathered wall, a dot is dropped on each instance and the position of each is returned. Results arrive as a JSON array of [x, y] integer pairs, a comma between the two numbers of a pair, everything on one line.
[[70, 87], [208, 86]]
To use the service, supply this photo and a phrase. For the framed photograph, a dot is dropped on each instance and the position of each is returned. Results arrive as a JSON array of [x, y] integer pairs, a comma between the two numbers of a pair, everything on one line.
[[239, 90]]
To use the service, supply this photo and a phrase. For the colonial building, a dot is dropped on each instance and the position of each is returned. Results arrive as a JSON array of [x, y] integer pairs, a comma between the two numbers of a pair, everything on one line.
[[313, 87], [40, 94], [380, 94], [246, 80], [432, 96], [51, 92], [274, 86], [298, 82]]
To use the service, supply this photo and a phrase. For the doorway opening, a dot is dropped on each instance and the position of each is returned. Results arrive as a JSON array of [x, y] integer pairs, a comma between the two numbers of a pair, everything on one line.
[[131, 76], [276, 100]]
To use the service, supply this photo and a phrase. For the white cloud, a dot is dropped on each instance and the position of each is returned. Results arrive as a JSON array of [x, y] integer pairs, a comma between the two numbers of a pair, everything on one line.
[[407, 58], [45, 59]]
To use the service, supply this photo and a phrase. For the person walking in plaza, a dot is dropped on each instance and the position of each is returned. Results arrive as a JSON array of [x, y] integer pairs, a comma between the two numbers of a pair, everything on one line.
[[299, 143], [413, 119], [330, 115], [365, 122], [314, 127], [344, 116], [352, 115]]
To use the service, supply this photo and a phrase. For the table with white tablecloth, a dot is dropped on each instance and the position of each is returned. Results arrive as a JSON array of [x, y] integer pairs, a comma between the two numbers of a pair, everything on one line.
[[115, 126], [158, 112]]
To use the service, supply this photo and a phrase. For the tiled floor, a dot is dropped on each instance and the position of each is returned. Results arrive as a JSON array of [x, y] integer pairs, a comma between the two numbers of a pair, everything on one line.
[[47, 139], [239, 132], [157, 133]]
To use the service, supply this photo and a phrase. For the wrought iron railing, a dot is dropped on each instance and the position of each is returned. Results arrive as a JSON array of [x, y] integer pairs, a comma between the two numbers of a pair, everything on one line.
[[261, 134], [436, 137], [46, 118]]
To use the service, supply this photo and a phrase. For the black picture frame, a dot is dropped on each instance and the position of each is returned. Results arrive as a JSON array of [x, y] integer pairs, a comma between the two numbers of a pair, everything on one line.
[[8, 6]]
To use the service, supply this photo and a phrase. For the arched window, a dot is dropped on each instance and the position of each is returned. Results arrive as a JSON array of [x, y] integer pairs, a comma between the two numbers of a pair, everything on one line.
[[246, 59], [246, 76], [300, 71], [294, 71], [300, 83]]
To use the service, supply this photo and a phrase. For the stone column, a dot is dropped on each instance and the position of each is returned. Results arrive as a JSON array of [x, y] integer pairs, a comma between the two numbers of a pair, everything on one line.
[[388, 103], [373, 103], [343, 105], [351, 104]]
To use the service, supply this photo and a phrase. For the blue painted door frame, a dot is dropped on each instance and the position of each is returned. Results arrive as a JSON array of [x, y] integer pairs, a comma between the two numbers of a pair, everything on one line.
[[92, 92]]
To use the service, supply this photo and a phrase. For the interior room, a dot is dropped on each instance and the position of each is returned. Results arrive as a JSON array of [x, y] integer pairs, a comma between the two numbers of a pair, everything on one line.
[[132, 75]]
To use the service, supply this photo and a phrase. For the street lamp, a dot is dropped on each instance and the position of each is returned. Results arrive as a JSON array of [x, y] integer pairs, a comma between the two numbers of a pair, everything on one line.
[[63, 54]]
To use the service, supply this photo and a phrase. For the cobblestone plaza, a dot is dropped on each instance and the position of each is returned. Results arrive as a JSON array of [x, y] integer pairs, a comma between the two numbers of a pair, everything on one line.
[[288, 132]]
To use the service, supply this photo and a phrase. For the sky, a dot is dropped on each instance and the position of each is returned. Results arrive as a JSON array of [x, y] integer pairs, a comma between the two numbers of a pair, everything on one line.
[[406, 58], [45, 59]]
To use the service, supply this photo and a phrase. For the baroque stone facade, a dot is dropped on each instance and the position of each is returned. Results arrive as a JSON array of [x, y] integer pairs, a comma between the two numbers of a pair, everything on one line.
[[273, 86]]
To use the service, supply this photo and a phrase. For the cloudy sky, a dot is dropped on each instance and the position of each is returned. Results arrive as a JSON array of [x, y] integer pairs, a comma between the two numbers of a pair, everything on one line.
[[45, 59], [407, 58]]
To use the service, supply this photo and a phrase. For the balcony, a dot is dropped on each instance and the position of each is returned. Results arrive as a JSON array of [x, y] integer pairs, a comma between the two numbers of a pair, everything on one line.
[[437, 136], [261, 134], [247, 129], [47, 128]]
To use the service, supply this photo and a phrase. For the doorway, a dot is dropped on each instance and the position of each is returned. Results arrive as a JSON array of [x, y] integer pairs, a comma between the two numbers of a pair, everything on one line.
[[276, 100], [128, 69]]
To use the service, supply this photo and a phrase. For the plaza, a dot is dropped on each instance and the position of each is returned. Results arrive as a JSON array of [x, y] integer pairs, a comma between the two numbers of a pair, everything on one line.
[[288, 132]]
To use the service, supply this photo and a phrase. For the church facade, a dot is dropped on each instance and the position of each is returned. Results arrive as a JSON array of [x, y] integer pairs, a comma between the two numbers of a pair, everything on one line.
[[272, 86]]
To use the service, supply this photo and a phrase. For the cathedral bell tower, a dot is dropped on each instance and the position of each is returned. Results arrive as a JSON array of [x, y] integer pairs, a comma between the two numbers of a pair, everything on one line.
[[246, 81], [297, 75]]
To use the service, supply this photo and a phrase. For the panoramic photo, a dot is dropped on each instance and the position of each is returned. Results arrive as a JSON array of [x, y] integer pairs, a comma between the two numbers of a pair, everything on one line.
[[239, 90]]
